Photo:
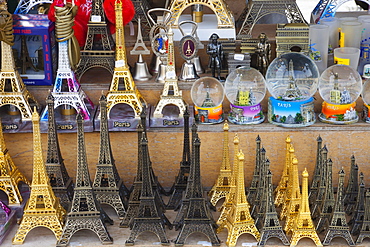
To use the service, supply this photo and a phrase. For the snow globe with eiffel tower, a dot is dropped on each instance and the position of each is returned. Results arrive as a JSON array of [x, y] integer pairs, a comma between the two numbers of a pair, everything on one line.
[[292, 80], [339, 87], [245, 88]]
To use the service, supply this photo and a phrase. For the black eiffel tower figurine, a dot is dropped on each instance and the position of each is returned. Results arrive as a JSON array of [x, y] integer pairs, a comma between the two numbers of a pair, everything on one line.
[[358, 215], [328, 203], [98, 50], [271, 226], [86, 212], [365, 229], [261, 204], [60, 181], [317, 174], [338, 225], [350, 197], [108, 186], [198, 217], [316, 207], [261, 184], [149, 217], [182, 178], [256, 173]]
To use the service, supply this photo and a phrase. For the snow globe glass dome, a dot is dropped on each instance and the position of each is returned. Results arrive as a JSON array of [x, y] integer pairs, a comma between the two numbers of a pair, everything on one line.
[[339, 87], [207, 94], [245, 88], [292, 80]]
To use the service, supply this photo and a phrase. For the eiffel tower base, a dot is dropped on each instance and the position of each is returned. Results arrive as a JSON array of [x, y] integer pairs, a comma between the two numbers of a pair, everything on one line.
[[154, 226], [120, 119], [266, 234], [67, 123], [13, 123], [334, 233], [188, 228], [170, 118]]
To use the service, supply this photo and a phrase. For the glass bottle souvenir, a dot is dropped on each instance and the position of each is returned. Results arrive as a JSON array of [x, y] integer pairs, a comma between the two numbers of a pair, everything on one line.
[[207, 94], [292, 80], [339, 86], [245, 88]]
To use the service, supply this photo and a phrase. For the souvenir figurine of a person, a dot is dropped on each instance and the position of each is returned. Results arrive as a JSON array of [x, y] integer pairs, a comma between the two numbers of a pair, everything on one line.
[[215, 52], [263, 51]]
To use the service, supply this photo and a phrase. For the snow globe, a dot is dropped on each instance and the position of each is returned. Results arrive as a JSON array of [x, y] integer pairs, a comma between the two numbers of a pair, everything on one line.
[[339, 86], [292, 80], [245, 88], [207, 94], [366, 98]]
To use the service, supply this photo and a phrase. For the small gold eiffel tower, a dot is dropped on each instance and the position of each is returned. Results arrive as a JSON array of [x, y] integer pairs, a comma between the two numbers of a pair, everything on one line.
[[281, 188], [303, 226], [43, 207], [122, 77], [288, 190], [222, 186], [239, 220], [10, 176]]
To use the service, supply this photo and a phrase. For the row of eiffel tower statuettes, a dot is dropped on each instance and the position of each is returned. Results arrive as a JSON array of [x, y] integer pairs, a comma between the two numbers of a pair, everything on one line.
[[306, 213]]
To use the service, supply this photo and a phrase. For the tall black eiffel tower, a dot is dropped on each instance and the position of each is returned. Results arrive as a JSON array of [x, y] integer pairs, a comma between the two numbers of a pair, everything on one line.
[[181, 179], [260, 207], [108, 186], [256, 173], [317, 174], [198, 217], [98, 50], [60, 181], [350, 196], [316, 207], [338, 225], [149, 217], [86, 212], [359, 210], [271, 227], [261, 184], [365, 229], [328, 203]]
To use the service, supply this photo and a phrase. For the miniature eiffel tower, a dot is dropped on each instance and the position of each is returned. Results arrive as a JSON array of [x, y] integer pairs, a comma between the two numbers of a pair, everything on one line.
[[60, 181], [12, 89], [239, 220], [328, 202], [259, 208], [139, 42], [10, 175], [256, 174], [171, 94], [129, 94], [280, 190], [303, 226], [338, 226], [222, 186], [271, 226], [226, 206], [86, 212], [257, 9], [261, 185], [316, 207], [359, 210], [197, 218], [25, 59], [289, 187], [43, 207], [149, 217], [317, 174], [141, 10], [97, 53], [350, 196], [108, 186], [295, 200], [182, 178], [67, 90], [365, 229]]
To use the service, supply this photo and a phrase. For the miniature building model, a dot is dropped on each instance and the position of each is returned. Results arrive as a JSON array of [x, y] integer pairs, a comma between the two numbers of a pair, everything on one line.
[[43, 207], [292, 37]]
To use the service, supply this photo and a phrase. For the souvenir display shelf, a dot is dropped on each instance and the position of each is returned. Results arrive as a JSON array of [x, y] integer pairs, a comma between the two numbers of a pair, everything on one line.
[[166, 146]]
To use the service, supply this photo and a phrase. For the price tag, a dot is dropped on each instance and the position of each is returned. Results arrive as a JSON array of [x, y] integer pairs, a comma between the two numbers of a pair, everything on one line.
[[119, 63], [239, 57], [95, 18], [170, 74]]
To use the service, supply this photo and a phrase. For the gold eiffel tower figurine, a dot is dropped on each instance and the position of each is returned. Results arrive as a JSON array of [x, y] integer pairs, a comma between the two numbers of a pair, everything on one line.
[[239, 220], [222, 186], [281, 188], [288, 190], [43, 207], [303, 226], [122, 88], [10, 176]]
